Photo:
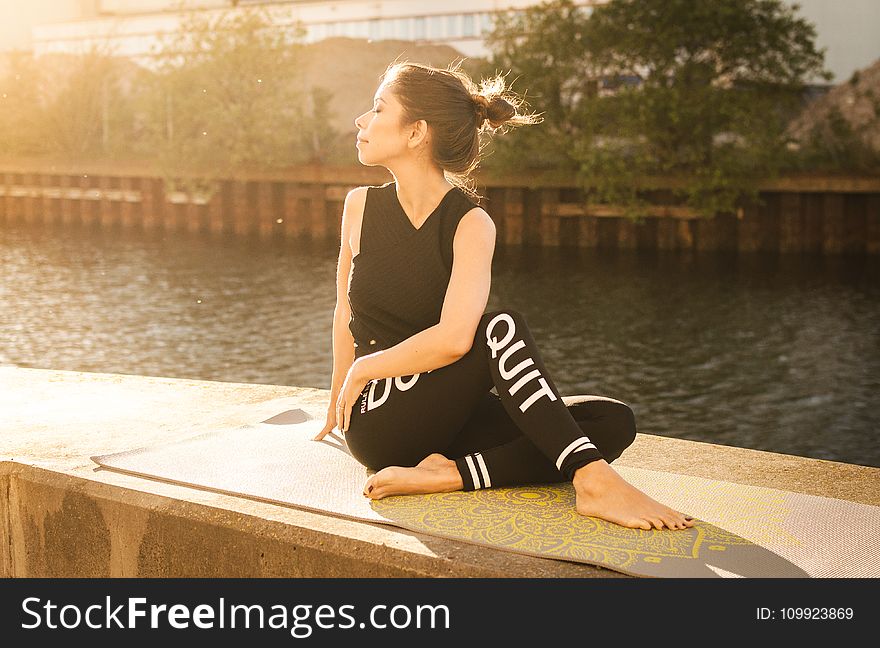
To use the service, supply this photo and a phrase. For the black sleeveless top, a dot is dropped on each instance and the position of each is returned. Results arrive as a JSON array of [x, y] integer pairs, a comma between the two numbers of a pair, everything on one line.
[[400, 274]]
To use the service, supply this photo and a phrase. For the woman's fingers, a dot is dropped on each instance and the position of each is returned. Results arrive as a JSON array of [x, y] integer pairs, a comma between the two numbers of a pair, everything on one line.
[[323, 432], [340, 414]]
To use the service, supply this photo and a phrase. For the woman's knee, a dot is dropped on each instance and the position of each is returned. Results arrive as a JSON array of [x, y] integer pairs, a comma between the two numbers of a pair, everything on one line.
[[377, 450], [376, 459], [624, 423], [628, 424]]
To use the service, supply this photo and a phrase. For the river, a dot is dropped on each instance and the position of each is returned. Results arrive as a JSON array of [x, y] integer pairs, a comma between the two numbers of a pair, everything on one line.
[[768, 351]]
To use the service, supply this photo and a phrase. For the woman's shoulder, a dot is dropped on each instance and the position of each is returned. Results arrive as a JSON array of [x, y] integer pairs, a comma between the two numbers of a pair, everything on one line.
[[364, 189], [468, 209], [476, 220], [357, 197]]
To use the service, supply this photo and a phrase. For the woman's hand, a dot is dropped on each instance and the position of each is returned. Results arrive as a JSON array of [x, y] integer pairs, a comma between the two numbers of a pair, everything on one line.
[[331, 421], [339, 413], [355, 381]]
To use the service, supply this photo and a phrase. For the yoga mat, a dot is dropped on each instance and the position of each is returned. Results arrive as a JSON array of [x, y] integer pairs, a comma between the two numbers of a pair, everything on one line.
[[741, 531]]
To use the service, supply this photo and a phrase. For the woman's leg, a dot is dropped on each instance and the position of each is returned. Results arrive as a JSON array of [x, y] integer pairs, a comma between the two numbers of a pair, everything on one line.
[[399, 421], [408, 417], [510, 458]]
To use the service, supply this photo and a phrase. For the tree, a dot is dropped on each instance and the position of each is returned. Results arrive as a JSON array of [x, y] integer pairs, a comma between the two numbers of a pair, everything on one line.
[[544, 46], [20, 101], [63, 104], [226, 96], [840, 130], [696, 91]]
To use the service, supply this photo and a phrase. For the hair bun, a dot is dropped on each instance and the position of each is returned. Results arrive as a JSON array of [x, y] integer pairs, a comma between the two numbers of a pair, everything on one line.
[[481, 104], [494, 109]]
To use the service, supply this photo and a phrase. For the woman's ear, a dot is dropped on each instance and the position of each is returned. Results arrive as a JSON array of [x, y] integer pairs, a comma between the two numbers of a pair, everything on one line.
[[418, 133]]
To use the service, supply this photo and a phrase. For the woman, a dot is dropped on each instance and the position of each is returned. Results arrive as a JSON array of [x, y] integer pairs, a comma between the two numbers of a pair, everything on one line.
[[414, 354]]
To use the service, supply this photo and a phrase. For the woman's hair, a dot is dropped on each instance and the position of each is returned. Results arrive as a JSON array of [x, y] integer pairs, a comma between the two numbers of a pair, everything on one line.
[[457, 110]]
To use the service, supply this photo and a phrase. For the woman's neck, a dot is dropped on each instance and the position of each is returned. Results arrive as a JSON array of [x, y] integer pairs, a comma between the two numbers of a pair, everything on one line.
[[419, 193]]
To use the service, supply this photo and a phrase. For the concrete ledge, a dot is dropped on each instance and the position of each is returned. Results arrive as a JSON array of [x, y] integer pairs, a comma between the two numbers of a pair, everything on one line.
[[59, 516]]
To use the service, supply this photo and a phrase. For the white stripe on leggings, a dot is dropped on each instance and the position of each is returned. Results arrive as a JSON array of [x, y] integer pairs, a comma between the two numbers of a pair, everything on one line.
[[579, 444], [484, 470], [473, 469]]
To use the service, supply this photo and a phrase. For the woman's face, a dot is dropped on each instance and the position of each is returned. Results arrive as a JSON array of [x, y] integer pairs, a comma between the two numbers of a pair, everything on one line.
[[380, 135]]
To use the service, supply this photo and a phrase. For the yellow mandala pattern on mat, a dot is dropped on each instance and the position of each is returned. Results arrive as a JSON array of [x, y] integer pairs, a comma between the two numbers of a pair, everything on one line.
[[542, 521]]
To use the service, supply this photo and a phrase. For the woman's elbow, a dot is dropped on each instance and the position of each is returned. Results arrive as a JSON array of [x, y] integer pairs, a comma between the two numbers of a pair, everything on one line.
[[460, 345]]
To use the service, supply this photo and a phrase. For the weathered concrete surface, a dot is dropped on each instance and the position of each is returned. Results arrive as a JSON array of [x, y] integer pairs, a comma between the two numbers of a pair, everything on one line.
[[61, 517]]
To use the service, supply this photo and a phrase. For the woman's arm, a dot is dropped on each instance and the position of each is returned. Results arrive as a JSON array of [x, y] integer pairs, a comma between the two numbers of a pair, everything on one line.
[[463, 306], [343, 350], [343, 341]]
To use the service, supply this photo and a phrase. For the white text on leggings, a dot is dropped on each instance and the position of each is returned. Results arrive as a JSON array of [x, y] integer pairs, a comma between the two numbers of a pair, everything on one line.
[[370, 401], [509, 374]]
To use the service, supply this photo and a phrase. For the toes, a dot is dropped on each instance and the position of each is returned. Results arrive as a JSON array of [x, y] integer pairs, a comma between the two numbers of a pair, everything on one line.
[[370, 486], [671, 522], [675, 520]]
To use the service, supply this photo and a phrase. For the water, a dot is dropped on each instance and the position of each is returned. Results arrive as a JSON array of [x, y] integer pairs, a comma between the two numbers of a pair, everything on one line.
[[766, 351]]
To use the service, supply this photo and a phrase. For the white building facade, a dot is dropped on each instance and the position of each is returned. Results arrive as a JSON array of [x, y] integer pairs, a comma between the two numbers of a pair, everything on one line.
[[849, 29], [134, 28]]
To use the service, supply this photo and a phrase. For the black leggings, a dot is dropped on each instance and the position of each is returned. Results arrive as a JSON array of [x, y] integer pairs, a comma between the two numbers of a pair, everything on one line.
[[525, 434]]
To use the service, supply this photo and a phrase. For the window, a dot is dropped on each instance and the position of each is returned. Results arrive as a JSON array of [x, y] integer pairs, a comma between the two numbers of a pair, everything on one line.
[[360, 29], [419, 28], [485, 23], [468, 25], [374, 32], [435, 27], [314, 32], [387, 28], [401, 28], [452, 26]]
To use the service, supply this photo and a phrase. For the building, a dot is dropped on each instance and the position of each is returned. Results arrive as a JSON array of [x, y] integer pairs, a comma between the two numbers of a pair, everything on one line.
[[134, 27], [849, 29]]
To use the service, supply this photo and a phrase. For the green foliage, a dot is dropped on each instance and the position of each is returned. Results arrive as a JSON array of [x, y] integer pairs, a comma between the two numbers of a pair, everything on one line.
[[20, 95], [661, 88], [63, 104], [224, 94], [315, 137], [225, 97], [834, 145], [544, 46]]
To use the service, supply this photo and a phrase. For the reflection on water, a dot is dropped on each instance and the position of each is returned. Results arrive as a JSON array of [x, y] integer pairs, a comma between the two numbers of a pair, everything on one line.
[[775, 352]]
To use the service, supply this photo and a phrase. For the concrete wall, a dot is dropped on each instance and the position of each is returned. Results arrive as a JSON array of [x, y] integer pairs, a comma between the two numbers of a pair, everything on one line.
[[813, 215], [61, 516]]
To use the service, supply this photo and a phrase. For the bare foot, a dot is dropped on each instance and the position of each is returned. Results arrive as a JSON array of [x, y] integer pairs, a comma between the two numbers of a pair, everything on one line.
[[602, 493], [434, 474]]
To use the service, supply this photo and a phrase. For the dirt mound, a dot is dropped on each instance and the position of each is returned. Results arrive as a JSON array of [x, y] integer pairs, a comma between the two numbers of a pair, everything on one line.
[[857, 101]]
